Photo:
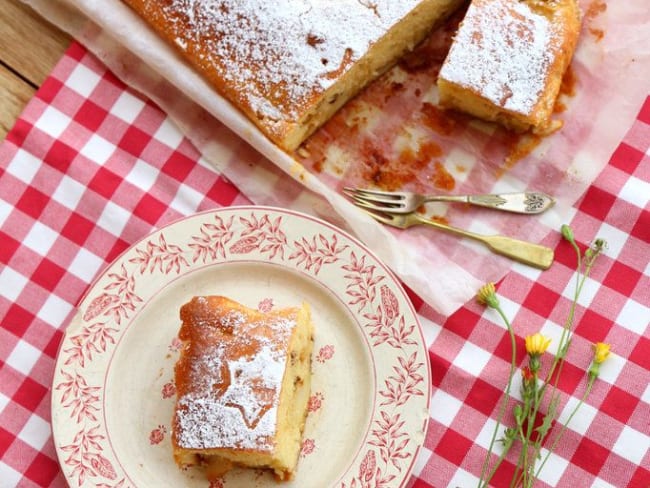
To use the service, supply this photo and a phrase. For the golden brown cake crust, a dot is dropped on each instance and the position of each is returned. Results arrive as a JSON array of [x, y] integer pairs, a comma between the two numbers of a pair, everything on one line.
[[508, 58], [289, 65]]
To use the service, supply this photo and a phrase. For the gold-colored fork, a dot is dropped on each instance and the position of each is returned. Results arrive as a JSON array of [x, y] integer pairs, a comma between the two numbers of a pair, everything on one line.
[[524, 252]]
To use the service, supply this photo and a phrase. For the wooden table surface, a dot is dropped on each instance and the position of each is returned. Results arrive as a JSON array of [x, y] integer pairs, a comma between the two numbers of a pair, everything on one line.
[[30, 49]]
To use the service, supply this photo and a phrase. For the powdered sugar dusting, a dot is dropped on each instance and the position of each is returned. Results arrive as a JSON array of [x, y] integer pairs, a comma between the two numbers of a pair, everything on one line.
[[235, 380], [244, 415], [503, 52], [278, 55]]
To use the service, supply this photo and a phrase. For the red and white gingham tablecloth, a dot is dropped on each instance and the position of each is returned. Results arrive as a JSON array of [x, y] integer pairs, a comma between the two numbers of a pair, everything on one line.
[[90, 167]]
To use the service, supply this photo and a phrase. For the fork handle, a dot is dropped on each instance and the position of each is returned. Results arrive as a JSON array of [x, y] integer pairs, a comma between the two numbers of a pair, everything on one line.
[[530, 202], [525, 252], [522, 251]]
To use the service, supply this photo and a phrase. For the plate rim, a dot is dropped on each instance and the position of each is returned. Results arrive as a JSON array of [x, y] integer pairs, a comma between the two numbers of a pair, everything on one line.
[[74, 320]]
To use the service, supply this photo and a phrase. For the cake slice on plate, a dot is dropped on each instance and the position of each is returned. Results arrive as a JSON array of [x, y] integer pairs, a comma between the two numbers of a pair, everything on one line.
[[243, 383]]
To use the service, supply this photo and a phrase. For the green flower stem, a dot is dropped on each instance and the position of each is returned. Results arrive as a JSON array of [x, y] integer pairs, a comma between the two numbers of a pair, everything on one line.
[[565, 339], [525, 412], [538, 394], [504, 403], [556, 367], [590, 384], [558, 362], [502, 456], [521, 470]]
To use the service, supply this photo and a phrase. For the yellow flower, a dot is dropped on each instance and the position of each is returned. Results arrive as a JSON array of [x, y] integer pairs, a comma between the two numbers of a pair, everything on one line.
[[537, 344], [487, 295], [601, 352]]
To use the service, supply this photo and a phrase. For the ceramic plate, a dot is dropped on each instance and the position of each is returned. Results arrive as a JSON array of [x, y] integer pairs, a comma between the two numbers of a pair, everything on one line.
[[113, 391]]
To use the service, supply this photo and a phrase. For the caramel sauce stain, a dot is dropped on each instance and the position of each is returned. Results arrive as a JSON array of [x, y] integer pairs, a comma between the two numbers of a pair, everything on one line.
[[396, 87], [343, 125], [568, 85], [567, 88], [376, 165], [440, 121], [318, 165], [442, 178], [429, 150], [597, 33], [519, 146], [439, 219], [393, 174], [595, 8]]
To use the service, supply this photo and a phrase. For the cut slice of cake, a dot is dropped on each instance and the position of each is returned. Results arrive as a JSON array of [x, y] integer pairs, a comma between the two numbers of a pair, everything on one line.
[[243, 383], [289, 66], [507, 61]]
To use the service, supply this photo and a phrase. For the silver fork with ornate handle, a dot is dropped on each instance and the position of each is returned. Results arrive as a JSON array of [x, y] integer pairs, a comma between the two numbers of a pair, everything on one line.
[[524, 252], [402, 202]]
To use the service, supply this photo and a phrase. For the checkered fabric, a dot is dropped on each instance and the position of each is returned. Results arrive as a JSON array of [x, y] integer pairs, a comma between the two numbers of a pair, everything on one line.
[[90, 167]]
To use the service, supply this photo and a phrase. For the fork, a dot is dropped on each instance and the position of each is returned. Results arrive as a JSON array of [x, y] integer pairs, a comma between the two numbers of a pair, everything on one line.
[[402, 202], [524, 252]]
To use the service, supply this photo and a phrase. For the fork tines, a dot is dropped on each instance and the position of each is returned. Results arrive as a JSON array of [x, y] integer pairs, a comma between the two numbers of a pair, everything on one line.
[[375, 195], [375, 199]]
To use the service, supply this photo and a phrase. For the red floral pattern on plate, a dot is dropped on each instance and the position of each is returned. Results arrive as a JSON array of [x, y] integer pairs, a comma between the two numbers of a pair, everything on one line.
[[176, 345], [265, 305], [315, 402], [325, 353], [168, 389], [307, 447], [162, 257], [157, 435]]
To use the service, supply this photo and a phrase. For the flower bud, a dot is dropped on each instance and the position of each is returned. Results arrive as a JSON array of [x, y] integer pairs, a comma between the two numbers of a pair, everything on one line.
[[519, 414], [594, 369], [567, 233], [599, 244], [533, 363]]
